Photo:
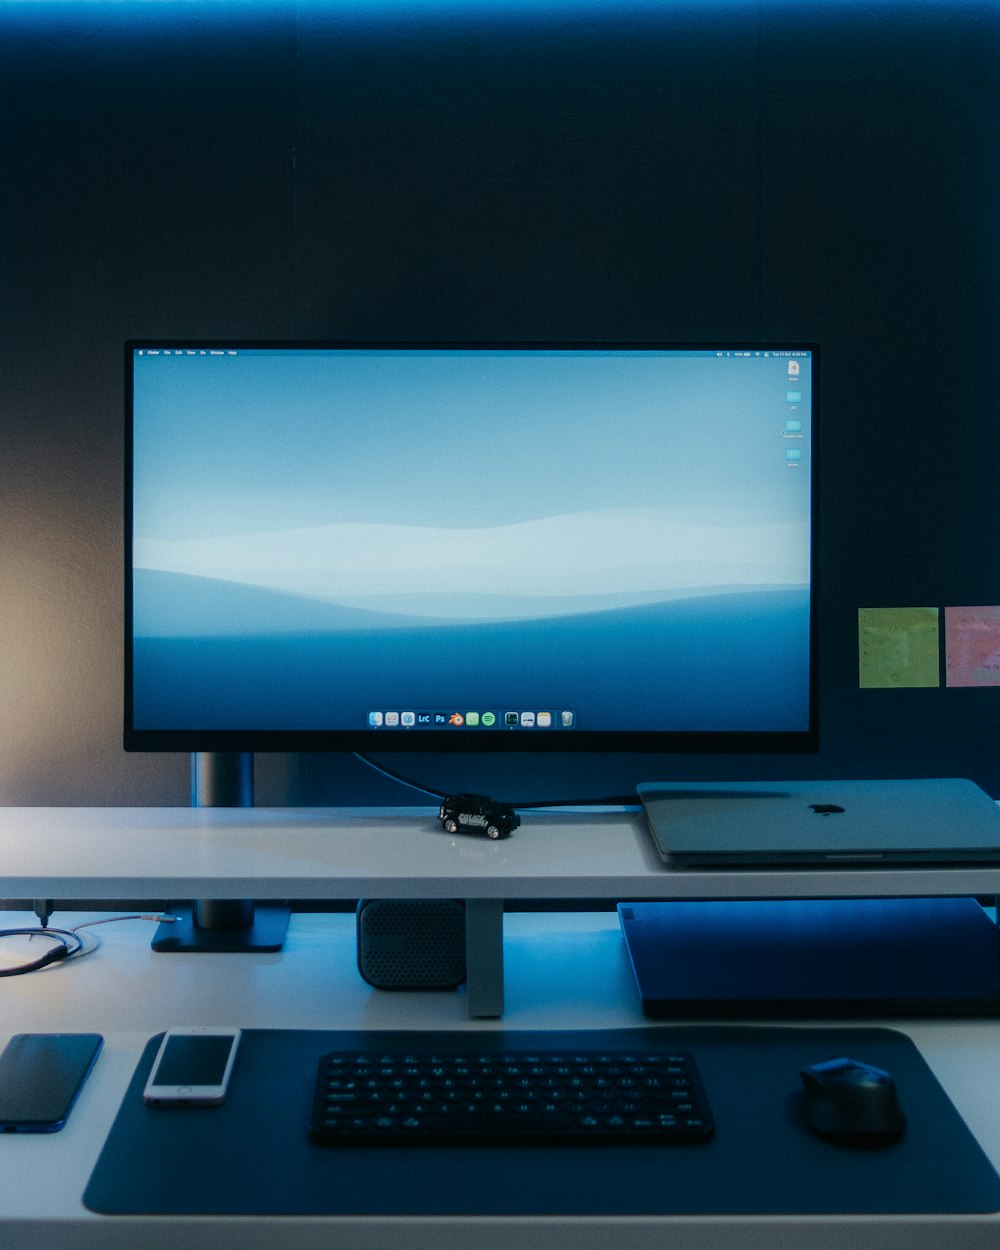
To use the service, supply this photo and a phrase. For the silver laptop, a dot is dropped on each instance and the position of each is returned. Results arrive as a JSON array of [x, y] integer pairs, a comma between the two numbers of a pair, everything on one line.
[[769, 824]]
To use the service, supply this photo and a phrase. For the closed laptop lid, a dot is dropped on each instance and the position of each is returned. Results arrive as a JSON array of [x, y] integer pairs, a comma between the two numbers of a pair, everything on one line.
[[737, 824]]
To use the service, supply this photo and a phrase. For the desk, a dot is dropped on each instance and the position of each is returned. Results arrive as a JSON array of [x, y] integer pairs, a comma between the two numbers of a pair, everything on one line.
[[563, 971]]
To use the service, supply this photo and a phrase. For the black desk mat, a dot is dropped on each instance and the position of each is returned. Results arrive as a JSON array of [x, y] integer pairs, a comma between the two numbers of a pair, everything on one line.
[[253, 1155]]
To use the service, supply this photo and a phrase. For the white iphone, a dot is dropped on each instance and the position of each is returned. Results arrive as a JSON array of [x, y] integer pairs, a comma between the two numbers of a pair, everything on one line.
[[192, 1067]]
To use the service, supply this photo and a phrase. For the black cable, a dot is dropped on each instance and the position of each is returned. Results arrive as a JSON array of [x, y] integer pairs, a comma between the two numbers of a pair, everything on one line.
[[397, 776], [68, 942], [630, 800], [66, 945]]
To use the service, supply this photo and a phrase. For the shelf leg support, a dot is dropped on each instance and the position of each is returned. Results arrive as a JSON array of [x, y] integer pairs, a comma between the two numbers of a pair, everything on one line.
[[484, 956]]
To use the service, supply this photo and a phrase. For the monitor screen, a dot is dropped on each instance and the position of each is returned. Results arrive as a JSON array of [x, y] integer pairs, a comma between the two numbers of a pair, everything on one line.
[[516, 547]]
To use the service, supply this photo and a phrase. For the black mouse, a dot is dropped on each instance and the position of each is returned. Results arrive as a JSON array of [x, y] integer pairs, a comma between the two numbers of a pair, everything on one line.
[[852, 1103]]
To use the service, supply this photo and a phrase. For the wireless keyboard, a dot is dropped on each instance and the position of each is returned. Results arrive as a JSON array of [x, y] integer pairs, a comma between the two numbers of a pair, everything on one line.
[[513, 1096]]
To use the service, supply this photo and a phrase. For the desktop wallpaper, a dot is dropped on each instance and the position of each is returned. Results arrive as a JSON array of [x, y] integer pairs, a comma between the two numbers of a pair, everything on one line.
[[341, 539]]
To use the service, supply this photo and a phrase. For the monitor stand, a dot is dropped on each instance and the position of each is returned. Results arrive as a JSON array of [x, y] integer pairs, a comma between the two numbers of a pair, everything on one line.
[[233, 925]]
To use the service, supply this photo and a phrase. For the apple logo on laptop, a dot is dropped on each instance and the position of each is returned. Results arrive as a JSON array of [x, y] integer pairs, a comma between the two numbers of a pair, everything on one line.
[[826, 809]]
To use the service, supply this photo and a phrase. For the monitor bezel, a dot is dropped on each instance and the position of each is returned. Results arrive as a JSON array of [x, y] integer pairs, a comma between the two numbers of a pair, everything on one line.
[[457, 740]]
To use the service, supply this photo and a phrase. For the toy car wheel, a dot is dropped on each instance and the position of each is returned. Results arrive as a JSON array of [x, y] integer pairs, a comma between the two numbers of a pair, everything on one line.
[[451, 825], [492, 832]]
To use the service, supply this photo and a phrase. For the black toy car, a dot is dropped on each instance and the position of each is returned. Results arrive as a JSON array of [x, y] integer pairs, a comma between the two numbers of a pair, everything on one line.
[[478, 812]]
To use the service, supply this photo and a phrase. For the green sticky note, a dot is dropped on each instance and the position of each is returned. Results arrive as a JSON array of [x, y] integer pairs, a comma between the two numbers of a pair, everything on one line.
[[898, 648]]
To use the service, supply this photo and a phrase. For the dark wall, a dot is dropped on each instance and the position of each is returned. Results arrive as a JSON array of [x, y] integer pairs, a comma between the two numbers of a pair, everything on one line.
[[734, 170]]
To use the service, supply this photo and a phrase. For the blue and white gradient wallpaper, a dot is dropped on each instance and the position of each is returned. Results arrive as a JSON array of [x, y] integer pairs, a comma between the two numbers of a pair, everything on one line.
[[549, 539]]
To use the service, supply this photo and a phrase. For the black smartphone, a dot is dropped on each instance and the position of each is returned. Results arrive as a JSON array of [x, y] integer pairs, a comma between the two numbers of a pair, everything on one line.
[[40, 1077]]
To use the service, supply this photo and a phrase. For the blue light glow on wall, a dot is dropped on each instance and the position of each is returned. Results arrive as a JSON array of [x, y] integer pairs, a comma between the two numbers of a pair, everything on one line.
[[406, 9]]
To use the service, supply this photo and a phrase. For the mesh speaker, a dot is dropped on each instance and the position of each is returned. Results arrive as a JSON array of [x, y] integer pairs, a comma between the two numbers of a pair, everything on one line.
[[411, 944]]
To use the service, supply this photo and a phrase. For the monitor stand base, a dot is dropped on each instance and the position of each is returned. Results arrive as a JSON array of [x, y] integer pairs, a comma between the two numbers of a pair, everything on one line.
[[265, 930]]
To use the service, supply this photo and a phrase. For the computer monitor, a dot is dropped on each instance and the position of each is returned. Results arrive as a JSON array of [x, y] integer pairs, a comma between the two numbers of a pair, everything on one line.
[[470, 547]]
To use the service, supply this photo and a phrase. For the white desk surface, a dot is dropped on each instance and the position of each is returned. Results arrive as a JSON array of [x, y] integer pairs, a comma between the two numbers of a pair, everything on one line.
[[308, 853], [563, 971]]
